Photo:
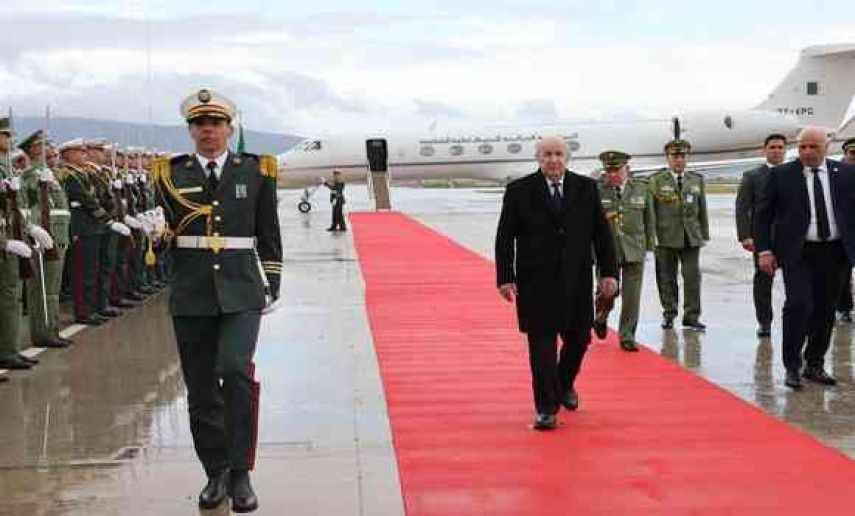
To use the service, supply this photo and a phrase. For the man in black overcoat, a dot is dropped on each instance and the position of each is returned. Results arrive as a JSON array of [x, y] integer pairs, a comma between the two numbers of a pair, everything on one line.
[[551, 229]]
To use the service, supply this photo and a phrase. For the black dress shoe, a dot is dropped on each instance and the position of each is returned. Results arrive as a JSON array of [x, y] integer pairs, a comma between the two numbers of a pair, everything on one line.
[[25, 358], [215, 491], [109, 312], [846, 316], [668, 323], [243, 497], [125, 303], [764, 331], [601, 329], [14, 362], [53, 342], [694, 325], [136, 296], [148, 289], [545, 422], [89, 321], [793, 380], [331, 229], [570, 400], [68, 342], [818, 375], [628, 345]]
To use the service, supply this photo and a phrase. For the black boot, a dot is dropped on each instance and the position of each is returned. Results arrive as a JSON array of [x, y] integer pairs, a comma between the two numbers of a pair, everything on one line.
[[215, 491], [243, 497]]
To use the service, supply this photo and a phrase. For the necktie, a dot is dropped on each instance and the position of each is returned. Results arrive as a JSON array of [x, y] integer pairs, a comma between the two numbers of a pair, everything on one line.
[[213, 182], [680, 182], [556, 196], [617, 192], [823, 229]]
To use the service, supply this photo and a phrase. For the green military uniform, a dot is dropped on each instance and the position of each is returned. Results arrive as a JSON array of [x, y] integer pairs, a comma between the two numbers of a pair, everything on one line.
[[226, 246], [88, 220], [629, 210], [337, 200], [44, 327], [682, 227], [11, 283]]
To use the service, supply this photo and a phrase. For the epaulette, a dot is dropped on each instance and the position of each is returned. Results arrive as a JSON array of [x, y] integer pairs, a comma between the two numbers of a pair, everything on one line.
[[269, 166], [161, 167], [174, 160]]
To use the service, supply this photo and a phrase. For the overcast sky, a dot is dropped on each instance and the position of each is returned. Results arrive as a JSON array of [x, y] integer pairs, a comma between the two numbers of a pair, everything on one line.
[[333, 66]]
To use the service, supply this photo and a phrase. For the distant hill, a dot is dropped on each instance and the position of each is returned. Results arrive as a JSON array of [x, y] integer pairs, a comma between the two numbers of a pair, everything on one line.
[[173, 138]]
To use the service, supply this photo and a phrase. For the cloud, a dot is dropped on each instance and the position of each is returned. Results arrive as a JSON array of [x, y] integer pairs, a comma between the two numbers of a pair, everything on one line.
[[342, 70]]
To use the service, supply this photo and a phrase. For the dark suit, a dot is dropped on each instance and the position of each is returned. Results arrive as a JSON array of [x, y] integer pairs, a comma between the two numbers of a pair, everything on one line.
[[547, 253], [217, 297], [337, 201], [746, 200], [813, 271]]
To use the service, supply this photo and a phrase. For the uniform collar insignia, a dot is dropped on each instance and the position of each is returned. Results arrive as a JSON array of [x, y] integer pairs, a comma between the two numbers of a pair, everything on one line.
[[236, 160], [188, 164]]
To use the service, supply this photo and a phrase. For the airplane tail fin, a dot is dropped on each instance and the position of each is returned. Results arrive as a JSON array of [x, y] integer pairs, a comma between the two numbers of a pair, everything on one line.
[[819, 89]]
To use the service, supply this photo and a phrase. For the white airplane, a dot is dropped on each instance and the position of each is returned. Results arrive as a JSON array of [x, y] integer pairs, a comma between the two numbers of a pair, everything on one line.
[[817, 91]]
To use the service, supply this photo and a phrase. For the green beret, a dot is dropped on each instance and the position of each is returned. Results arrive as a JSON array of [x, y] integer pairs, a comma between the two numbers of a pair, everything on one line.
[[614, 159], [31, 139], [848, 143], [678, 145], [5, 126]]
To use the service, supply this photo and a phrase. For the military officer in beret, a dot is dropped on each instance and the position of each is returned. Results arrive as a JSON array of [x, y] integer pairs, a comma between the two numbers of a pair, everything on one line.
[[844, 303], [46, 197], [227, 253], [682, 228], [629, 209]]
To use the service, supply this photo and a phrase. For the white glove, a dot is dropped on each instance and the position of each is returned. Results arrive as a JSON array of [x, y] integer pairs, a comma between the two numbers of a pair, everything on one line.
[[120, 228], [144, 223], [41, 236], [132, 222], [129, 179], [117, 184], [13, 183], [143, 178], [18, 248], [46, 176]]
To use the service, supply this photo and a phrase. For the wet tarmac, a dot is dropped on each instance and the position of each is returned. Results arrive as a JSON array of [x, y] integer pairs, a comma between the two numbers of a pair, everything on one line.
[[101, 428]]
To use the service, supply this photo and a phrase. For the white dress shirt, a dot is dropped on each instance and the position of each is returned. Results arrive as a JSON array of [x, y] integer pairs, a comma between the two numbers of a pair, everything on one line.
[[549, 183], [812, 233], [219, 160]]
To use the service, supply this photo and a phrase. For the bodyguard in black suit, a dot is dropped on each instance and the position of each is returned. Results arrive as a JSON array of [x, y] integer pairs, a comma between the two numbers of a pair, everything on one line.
[[805, 222], [551, 221], [221, 208], [774, 148], [844, 302]]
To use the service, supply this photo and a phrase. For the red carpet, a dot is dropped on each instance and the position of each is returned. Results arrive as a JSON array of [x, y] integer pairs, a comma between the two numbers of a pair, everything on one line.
[[649, 438]]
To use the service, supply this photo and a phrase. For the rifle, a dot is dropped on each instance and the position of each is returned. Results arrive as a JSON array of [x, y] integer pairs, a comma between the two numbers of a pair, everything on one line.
[[14, 217], [128, 241], [51, 254]]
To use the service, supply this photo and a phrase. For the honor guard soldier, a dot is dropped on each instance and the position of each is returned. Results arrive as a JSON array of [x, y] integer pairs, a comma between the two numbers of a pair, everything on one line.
[[88, 221], [629, 209], [844, 303], [680, 210], [15, 258], [101, 177], [49, 209], [221, 208]]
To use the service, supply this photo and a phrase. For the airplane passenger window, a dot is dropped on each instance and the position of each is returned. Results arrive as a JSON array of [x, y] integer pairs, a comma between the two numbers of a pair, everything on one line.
[[573, 146], [514, 148], [455, 150], [728, 122], [315, 145], [485, 148], [427, 151]]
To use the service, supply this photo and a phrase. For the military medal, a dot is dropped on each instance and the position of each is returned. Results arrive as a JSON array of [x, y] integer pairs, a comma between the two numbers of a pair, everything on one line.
[[240, 191]]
